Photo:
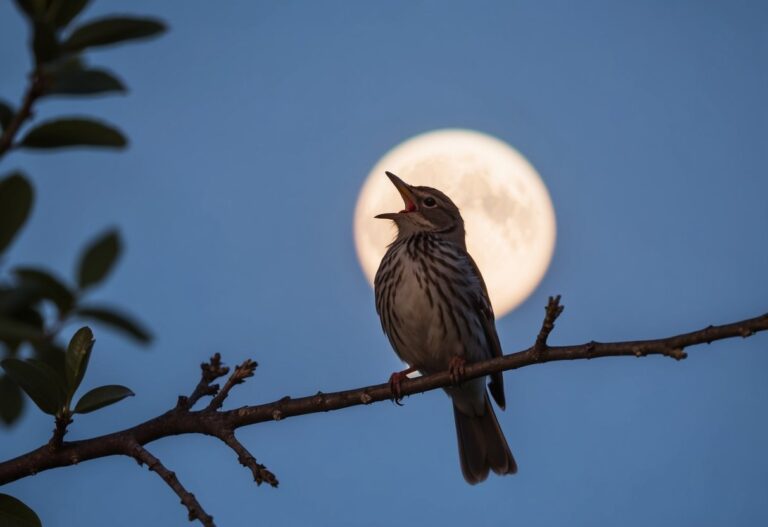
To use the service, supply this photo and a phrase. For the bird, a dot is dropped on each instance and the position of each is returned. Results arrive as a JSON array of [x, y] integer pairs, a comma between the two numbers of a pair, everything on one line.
[[434, 309]]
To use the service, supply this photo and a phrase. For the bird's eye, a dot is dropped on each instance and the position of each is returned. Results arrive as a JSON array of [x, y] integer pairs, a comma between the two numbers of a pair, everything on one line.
[[430, 202]]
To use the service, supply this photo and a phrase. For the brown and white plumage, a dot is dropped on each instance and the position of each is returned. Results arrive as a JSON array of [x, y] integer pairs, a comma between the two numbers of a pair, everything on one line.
[[434, 308]]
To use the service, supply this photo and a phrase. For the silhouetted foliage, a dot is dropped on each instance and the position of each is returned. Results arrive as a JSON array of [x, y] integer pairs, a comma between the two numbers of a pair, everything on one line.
[[35, 303]]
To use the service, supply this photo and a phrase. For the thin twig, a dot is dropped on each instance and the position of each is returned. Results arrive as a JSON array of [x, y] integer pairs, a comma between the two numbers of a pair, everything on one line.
[[211, 370], [260, 473], [63, 420], [196, 511], [242, 372], [553, 310], [35, 89]]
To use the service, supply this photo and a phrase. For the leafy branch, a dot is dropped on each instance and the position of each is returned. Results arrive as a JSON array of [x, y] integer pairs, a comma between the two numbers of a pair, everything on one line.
[[59, 70], [221, 424], [35, 361]]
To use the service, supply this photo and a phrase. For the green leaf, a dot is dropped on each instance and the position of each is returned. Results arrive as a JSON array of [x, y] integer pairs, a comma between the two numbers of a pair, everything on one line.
[[73, 132], [16, 197], [54, 356], [63, 11], [9, 297], [78, 354], [14, 513], [101, 397], [45, 285], [33, 9], [11, 401], [45, 45], [6, 114], [38, 381], [21, 323], [117, 320], [14, 329], [58, 377], [77, 81], [112, 30], [98, 259]]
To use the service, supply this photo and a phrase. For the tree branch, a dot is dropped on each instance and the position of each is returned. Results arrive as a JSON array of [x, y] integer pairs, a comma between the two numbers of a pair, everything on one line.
[[221, 424], [241, 373], [35, 89], [212, 370], [260, 473], [62, 421], [196, 511], [553, 311]]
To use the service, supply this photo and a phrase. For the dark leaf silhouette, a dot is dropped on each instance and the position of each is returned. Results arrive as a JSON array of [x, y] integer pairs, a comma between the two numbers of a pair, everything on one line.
[[54, 355], [112, 30], [11, 401], [101, 397], [11, 328], [43, 284], [79, 81], [98, 259], [73, 132], [6, 114], [16, 197], [115, 319], [45, 46], [33, 9], [14, 513], [77, 356], [39, 381], [65, 10]]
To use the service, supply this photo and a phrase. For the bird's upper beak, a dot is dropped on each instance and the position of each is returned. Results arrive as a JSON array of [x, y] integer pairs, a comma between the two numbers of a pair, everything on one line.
[[405, 192]]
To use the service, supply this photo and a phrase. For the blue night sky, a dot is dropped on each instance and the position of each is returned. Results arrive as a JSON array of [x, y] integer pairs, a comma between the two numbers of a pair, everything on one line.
[[252, 127]]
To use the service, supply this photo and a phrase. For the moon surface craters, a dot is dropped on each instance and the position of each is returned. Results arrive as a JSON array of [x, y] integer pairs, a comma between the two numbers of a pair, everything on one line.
[[509, 218]]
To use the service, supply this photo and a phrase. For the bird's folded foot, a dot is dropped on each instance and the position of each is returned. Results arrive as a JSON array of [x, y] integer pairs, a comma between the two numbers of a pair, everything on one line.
[[456, 367], [394, 384]]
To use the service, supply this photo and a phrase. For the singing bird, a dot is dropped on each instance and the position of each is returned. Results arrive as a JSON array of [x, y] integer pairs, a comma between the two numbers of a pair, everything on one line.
[[435, 311]]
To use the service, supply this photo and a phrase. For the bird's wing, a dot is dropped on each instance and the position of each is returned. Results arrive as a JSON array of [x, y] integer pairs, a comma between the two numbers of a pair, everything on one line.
[[488, 321]]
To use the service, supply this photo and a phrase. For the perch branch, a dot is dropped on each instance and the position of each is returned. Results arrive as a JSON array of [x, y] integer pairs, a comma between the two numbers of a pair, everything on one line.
[[196, 511], [221, 424]]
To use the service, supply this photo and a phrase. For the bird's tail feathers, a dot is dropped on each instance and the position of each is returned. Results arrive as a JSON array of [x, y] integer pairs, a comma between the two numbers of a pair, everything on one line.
[[482, 446]]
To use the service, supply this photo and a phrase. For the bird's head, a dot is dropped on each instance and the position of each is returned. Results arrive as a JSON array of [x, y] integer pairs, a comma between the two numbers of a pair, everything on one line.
[[426, 210]]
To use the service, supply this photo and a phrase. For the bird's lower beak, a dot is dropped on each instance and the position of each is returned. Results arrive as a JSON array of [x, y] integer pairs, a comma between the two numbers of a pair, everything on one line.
[[405, 192]]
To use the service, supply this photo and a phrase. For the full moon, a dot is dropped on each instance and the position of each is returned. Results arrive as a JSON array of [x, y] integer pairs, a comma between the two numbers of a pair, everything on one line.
[[507, 211]]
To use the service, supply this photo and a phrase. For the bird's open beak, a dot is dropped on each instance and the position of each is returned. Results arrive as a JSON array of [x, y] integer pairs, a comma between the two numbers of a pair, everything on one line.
[[405, 192]]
